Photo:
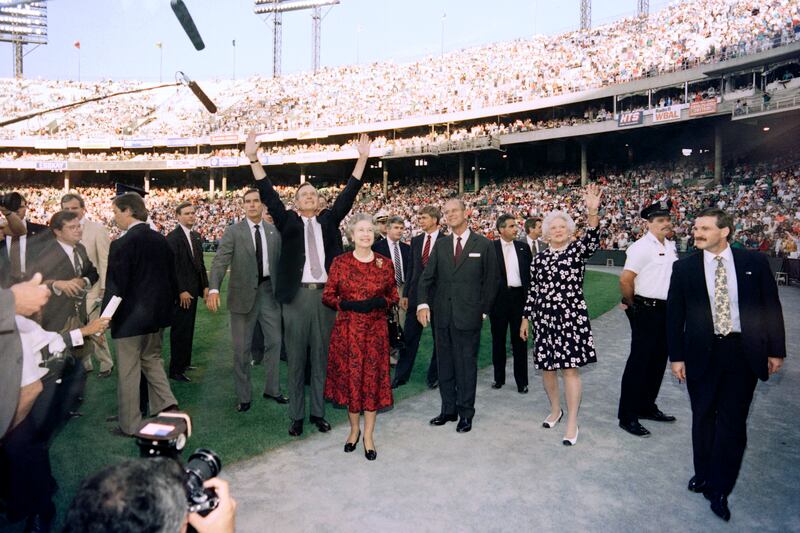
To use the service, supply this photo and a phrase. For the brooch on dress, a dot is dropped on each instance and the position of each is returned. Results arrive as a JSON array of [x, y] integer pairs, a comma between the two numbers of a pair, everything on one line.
[[379, 262]]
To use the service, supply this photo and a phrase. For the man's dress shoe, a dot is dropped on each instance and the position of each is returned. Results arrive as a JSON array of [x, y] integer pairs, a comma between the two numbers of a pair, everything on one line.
[[396, 383], [496, 385], [442, 419], [658, 416], [296, 429], [433, 384], [321, 423], [719, 504], [634, 428], [697, 485], [464, 425], [522, 390], [242, 407], [180, 377], [280, 398]]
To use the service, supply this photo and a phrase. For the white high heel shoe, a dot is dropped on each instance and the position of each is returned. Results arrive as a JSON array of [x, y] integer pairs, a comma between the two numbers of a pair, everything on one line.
[[548, 424], [572, 441]]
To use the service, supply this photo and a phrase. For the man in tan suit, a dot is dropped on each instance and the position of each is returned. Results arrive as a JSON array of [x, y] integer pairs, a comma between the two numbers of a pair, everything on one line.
[[97, 242]]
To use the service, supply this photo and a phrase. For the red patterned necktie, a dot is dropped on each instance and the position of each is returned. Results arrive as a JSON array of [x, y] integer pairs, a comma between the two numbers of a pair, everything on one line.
[[458, 249], [426, 251]]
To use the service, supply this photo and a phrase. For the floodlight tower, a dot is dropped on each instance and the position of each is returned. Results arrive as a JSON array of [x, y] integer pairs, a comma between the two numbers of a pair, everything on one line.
[[275, 9], [23, 22], [643, 8], [586, 14]]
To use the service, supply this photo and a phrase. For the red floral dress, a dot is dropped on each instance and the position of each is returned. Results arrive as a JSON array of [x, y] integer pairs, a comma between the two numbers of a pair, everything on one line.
[[358, 357]]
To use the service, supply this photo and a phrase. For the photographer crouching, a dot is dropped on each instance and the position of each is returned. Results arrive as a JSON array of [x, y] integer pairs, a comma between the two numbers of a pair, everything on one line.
[[148, 495]]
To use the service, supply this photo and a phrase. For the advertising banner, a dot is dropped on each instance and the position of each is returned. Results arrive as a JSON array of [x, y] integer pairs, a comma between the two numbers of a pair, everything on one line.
[[223, 161], [227, 138], [52, 166], [666, 114], [704, 107], [634, 118], [137, 143]]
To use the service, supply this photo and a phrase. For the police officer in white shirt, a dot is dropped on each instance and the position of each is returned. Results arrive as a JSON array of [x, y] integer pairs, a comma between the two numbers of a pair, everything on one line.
[[644, 284]]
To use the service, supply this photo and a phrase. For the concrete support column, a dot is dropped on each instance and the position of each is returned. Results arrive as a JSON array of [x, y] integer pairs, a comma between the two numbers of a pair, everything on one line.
[[385, 180], [211, 183], [302, 175], [477, 174], [224, 181], [66, 181], [146, 181], [584, 164], [717, 153], [460, 174]]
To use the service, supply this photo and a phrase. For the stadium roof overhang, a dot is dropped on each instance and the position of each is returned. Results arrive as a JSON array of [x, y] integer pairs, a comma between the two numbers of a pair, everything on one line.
[[756, 62]]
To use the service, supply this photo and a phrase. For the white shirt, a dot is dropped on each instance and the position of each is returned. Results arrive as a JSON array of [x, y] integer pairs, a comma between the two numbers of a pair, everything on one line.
[[23, 245], [188, 233], [264, 256], [33, 338], [710, 267], [534, 245], [399, 259], [307, 277], [433, 235], [651, 261], [511, 263], [464, 237]]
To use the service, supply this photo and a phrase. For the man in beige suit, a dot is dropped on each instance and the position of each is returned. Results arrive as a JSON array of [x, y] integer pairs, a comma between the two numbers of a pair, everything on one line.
[[97, 242]]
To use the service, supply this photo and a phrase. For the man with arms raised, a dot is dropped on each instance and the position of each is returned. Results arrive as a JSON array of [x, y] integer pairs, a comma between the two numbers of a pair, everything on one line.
[[310, 241]]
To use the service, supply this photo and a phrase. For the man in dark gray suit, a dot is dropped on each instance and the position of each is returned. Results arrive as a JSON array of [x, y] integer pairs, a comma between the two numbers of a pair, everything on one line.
[[533, 235], [463, 270], [251, 248]]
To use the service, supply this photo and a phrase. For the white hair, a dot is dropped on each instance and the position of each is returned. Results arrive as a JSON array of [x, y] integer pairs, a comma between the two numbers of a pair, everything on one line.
[[355, 219], [555, 215]]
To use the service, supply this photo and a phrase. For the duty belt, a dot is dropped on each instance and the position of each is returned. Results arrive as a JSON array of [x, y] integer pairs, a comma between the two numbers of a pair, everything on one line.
[[649, 302]]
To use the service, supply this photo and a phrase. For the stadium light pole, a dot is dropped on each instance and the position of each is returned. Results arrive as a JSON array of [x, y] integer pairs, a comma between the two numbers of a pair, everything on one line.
[[444, 17], [359, 29]]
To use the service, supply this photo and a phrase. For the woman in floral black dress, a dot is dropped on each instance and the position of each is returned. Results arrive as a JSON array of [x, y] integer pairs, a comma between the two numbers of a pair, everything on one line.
[[557, 310], [361, 287]]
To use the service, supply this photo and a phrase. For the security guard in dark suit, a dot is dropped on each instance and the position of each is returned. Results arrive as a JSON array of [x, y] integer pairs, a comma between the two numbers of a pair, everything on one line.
[[644, 284]]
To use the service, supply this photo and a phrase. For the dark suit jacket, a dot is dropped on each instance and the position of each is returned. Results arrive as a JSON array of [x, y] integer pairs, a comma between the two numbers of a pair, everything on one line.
[[290, 226], [37, 238], [410, 290], [524, 258], [55, 265], [382, 247], [190, 271], [464, 290], [10, 360], [141, 271], [690, 326]]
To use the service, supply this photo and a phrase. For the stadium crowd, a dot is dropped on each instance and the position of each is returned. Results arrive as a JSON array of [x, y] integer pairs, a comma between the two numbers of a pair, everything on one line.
[[500, 73], [763, 198]]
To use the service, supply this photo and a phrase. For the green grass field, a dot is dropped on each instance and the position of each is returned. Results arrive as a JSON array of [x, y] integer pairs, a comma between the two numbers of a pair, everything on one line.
[[85, 445]]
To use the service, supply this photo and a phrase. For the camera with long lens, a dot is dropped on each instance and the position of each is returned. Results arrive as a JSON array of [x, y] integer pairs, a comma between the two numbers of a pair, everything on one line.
[[165, 436]]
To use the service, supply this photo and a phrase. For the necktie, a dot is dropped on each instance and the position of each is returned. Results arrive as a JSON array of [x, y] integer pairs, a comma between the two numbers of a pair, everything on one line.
[[722, 301], [313, 253], [398, 265], [458, 250], [259, 252], [426, 251], [80, 304], [76, 262], [15, 259]]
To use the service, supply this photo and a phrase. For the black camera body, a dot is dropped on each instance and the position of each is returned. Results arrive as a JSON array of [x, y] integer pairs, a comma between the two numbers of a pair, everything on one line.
[[11, 200], [166, 436]]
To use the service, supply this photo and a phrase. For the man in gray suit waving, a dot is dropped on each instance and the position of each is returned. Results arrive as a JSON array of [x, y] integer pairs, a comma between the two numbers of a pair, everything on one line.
[[463, 269], [251, 249]]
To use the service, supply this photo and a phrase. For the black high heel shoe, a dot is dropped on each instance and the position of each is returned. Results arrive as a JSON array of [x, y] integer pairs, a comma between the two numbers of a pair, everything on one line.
[[351, 446], [371, 455]]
